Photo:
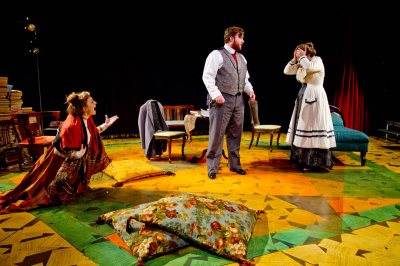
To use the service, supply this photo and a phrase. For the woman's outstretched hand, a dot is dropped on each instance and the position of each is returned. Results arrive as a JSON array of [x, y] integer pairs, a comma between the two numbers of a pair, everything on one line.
[[110, 120]]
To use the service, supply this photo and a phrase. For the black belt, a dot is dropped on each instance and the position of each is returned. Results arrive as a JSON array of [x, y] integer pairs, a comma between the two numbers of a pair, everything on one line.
[[238, 94]]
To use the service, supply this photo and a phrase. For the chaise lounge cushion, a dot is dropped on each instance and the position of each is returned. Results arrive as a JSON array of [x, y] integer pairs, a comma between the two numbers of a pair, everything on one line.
[[348, 135], [348, 139]]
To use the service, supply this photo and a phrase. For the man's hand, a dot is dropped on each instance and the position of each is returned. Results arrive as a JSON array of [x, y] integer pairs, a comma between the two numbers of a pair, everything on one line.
[[220, 99], [252, 97]]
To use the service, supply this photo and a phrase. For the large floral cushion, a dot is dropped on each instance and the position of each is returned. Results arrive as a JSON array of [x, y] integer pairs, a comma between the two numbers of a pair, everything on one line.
[[220, 226], [144, 242]]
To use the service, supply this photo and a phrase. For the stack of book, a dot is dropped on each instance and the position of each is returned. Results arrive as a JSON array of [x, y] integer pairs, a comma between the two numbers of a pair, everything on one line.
[[5, 117], [11, 100], [27, 109], [15, 97], [4, 101]]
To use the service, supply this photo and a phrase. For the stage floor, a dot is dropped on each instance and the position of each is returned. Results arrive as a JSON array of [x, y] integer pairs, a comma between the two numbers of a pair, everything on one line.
[[349, 216]]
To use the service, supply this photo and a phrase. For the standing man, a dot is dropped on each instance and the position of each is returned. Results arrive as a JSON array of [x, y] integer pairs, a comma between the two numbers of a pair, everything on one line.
[[226, 78]]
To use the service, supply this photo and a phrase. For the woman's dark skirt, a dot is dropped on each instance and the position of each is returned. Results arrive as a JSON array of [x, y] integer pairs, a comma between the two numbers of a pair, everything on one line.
[[308, 158]]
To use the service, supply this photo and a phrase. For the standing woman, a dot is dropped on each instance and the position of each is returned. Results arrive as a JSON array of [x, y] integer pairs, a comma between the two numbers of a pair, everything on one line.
[[310, 130], [65, 169]]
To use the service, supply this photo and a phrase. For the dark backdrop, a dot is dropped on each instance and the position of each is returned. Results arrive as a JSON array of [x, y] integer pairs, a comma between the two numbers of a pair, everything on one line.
[[126, 56]]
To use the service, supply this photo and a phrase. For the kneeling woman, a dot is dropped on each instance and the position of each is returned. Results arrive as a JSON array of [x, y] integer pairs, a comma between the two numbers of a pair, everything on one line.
[[65, 169]]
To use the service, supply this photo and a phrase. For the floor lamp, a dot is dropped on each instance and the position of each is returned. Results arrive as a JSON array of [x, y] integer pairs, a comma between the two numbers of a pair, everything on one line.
[[34, 49]]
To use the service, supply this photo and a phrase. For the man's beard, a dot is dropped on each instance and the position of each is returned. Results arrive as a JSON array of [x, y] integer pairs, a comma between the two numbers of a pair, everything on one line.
[[237, 47]]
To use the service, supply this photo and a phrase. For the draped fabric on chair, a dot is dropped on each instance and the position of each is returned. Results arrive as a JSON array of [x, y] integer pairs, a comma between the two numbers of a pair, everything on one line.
[[160, 145], [149, 123], [154, 132]]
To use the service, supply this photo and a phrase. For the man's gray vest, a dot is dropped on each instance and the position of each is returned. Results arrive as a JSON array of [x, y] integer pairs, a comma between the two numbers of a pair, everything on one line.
[[230, 77]]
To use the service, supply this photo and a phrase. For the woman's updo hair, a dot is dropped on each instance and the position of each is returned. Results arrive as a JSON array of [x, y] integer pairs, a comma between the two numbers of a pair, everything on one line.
[[309, 48], [76, 102]]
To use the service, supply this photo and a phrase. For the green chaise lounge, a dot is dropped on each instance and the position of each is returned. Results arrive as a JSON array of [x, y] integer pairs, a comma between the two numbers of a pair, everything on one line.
[[348, 139]]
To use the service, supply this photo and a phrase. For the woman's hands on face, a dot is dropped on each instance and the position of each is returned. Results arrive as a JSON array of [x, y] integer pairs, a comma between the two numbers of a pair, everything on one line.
[[300, 52]]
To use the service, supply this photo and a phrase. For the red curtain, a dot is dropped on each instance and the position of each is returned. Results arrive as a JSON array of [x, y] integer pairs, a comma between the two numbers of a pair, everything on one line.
[[350, 99]]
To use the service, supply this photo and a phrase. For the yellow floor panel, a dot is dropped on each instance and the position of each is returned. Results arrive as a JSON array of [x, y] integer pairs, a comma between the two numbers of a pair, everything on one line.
[[28, 241], [308, 253]]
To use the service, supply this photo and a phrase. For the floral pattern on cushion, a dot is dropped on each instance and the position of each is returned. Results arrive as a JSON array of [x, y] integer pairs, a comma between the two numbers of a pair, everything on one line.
[[144, 242], [220, 226]]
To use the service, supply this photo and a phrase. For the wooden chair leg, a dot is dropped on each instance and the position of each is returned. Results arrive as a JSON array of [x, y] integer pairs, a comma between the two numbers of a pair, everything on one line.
[[169, 150], [20, 157], [183, 146], [258, 138], [20, 162], [277, 140], [251, 141], [270, 140]]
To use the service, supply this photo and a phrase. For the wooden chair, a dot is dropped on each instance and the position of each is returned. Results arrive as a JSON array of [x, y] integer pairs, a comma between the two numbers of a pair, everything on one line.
[[31, 133], [50, 122], [167, 135], [258, 128], [9, 152], [175, 115]]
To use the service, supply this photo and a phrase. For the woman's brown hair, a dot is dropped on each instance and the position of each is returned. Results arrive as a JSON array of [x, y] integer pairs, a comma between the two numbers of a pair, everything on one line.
[[76, 101], [308, 47]]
